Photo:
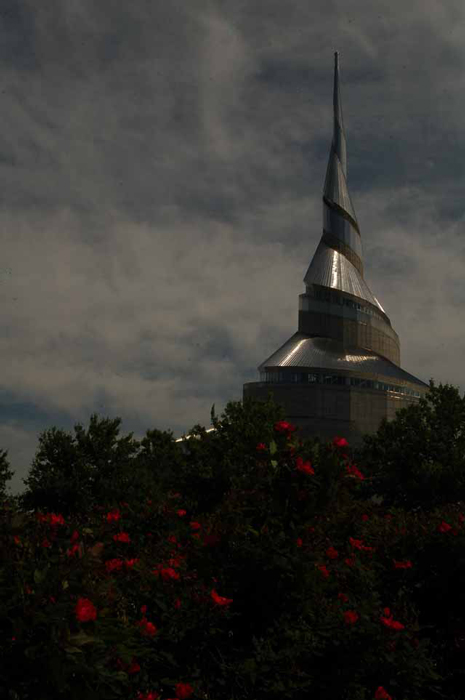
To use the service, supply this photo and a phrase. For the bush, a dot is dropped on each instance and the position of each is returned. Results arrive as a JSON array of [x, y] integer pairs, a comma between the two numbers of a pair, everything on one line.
[[266, 569]]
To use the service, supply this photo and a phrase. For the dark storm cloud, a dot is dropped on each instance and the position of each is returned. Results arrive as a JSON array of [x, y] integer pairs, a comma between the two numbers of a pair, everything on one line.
[[161, 172]]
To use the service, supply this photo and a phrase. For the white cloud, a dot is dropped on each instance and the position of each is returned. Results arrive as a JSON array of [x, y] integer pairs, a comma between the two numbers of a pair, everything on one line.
[[161, 171]]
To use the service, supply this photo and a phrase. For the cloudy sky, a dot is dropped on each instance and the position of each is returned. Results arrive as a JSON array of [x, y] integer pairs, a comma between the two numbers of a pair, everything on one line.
[[161, 174]]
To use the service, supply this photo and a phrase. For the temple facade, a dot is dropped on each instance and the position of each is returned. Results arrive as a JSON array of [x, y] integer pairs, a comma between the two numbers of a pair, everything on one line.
[[340, 373]]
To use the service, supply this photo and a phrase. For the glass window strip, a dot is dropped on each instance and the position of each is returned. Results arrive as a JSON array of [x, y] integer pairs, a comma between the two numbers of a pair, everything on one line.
[[314, 378]]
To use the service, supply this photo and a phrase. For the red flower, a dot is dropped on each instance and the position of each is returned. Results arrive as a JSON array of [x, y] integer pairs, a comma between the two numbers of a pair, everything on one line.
[[143, 609], [211, 539], [444, 527], [46, 543], [358, 544], [85, 610], [184, 691], [343, 597], [17, 540], [389, 622], [113, 515], [56, 519], [122, 537], [219, 600], [365, 517], [299, 542], [332, 553], [113, 564], [147, 628], [72, 550], [177, 603], [176, 561], [75, 536], [130, 563], [195, 526], [134, 667], [167, 573], [181, 512], [340, 442], [261, 447], [152, 695], [350, 561], [402, 564], [304, 467], [350, 617], [381, 694], [283, 426], [353, 471], [323, 570]]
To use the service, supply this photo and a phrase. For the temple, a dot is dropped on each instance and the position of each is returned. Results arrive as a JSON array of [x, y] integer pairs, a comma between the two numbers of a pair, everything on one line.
[[340, 373]]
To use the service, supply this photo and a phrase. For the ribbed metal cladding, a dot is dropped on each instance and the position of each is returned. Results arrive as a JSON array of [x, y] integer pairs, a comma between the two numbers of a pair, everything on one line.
[[325, 353], [330, 268], [338, 211], [342, 327]]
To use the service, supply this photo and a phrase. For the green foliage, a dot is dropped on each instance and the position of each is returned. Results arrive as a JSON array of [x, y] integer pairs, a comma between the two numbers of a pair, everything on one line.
[[5, 474], [417, 460], [71, 474], [227, 456], [284, 636]]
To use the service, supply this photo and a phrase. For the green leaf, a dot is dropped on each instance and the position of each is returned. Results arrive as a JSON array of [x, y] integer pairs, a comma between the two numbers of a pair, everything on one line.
[[87, 531], [73, 650], [274, 463], [39, 576], [249, 665], [64, 585], [273, 447], [81, 638], [162, 605]]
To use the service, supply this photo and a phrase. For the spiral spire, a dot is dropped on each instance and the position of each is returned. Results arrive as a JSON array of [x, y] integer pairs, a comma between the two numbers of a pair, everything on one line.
[[339, 218]]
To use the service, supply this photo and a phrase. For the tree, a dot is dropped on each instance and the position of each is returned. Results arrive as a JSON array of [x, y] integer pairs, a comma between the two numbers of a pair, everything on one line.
[[5, 475], [417, 460], [72, 474], [214, 461]]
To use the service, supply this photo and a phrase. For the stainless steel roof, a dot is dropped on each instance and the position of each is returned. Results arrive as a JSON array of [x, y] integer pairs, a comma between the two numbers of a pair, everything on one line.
[[335, 189], [325, 353], [342, 229], [189, 436], [330, 268]]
